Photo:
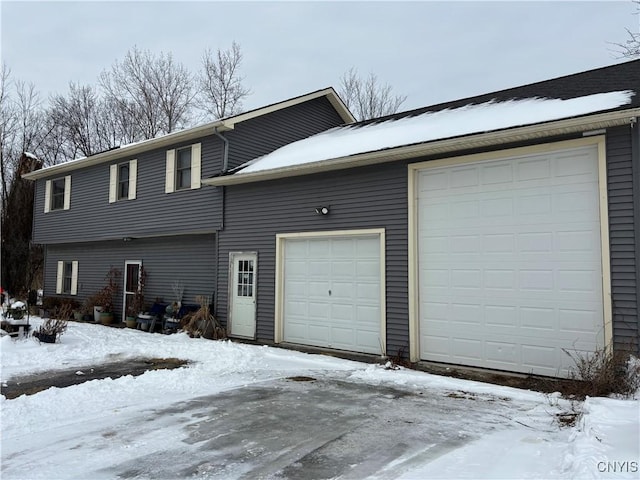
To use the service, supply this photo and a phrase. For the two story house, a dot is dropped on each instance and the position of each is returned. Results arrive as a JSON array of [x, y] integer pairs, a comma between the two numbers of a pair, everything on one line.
[[144, 204], [499, 231]]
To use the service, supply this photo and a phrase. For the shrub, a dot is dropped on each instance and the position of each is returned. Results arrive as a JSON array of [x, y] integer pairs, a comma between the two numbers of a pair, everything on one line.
[[51, 327], [60, 307], [605, 372]]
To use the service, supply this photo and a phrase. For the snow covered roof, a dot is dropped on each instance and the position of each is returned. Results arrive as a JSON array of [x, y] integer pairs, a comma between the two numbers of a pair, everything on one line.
[[569, 105], [449, 123], [338, 147]]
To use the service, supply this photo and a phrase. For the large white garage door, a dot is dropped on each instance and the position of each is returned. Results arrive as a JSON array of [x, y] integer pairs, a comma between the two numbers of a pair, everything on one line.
[[332, 292], [510, 267]]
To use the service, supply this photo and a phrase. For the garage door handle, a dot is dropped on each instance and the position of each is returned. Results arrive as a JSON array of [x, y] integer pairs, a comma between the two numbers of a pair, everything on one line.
[[329, 292]]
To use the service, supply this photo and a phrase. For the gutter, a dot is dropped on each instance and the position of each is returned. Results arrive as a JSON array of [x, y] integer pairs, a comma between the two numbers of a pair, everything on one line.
[[466, 142], [221, 125]]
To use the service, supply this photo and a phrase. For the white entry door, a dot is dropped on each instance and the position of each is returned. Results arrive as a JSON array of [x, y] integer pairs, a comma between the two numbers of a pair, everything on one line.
[[132, 270], [242, 314]]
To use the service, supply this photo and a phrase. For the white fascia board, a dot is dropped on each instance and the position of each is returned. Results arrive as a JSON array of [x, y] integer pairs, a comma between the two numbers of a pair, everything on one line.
[[127, 151], [330, 93], [467, 142], [221, 125]]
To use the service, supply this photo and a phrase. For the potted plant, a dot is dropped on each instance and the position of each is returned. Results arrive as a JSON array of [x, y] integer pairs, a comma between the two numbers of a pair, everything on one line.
[[50, 330], [105, 297]]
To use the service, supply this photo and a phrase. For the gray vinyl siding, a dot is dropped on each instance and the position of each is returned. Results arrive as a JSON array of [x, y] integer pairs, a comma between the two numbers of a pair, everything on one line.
[[623, 193], [376, 197], [372, 197], [189, 259], [259, 136], [153, 212]]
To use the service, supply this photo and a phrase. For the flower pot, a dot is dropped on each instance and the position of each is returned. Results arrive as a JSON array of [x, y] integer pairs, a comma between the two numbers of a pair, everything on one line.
[[106, 318], [44, 337], [131, 322], [77, 316]]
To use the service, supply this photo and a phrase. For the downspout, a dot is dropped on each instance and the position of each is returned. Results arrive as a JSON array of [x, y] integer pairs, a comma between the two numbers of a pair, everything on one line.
[[225, 167]]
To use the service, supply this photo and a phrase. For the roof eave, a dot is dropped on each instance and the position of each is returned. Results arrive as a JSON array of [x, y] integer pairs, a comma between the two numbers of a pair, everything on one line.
[[466, 142], [129, 150], [221, 125]]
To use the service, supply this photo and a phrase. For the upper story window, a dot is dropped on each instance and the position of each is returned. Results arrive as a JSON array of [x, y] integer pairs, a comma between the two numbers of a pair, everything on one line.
[[57, 194], [122, 181], [183, 168]]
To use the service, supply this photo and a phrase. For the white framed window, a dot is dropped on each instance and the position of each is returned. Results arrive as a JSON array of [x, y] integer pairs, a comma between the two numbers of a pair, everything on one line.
[[183, 169], [57, 194], [122, 181], [67, 277]]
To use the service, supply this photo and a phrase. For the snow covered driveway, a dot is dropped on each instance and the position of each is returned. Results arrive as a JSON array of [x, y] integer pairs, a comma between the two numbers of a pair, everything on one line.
[[237, 412], [325, 428]]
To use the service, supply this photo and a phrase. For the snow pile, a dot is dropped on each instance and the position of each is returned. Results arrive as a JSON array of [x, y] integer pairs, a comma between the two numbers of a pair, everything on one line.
[[350, 140], [606, 443], [530, 443]]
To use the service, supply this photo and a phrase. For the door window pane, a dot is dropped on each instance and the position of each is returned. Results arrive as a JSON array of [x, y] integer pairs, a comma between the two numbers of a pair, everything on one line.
[[245, 278]]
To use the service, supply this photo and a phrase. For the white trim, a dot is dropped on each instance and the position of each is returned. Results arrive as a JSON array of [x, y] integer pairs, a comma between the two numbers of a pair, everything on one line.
[[133, 178], [415, 168], [67, 192], [125, 292], [59, 277], [604, 242], [437, 147], [281, 238], [47, 196], [232, 285], [113, 183], [196, 165], [74, 277], [170, 172]]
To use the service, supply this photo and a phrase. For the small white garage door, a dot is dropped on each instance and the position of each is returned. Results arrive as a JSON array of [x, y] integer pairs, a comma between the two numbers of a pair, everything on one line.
[[510, 269], [332, 292]]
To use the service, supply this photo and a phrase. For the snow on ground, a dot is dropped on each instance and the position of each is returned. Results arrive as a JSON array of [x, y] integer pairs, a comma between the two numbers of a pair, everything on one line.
[[351, 140], [603, 444]]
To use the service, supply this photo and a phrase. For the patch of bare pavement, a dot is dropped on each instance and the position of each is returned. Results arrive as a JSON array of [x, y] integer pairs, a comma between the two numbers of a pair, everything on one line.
[[30, 384], [302, 428]]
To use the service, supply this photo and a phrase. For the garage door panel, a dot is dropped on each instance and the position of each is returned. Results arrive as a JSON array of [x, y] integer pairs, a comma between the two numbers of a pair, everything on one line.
[[343, 284], [509, 256]]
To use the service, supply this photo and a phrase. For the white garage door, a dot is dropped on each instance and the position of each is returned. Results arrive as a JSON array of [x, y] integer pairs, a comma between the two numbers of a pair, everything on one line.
[[332, 292], [510, 267]]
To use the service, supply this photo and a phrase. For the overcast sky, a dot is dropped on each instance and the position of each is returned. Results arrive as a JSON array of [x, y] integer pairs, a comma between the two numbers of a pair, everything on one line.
[[430, 51]]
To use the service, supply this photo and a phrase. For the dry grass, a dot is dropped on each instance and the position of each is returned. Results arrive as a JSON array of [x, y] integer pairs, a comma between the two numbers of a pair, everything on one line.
[[604, 372]]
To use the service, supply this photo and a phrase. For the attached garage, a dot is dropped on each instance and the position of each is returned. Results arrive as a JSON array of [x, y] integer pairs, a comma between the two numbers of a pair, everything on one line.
[[331, 290], [509, 257]]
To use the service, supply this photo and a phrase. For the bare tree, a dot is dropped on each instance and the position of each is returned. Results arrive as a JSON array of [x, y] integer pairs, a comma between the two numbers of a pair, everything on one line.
[[368, 98], [77, 114], [154, 91], [220, 83], [8, 130], [631, 47]]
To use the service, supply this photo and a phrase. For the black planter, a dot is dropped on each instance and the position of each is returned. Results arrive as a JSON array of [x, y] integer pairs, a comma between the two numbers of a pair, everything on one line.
[[44, 337]]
